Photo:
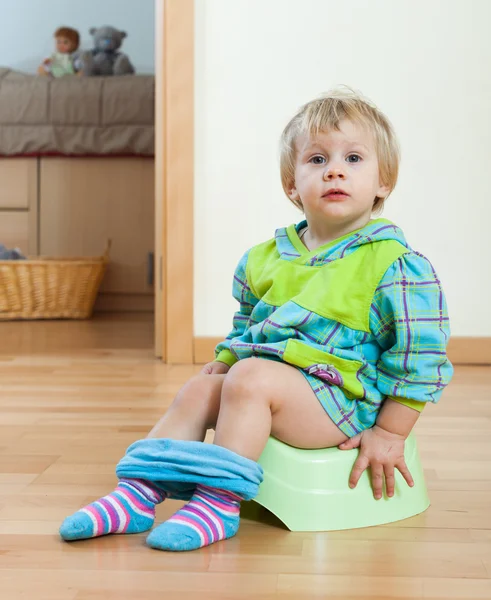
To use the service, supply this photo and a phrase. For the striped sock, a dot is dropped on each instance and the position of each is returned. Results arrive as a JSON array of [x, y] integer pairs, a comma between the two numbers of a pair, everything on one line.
[[129, 509], [211, 515]]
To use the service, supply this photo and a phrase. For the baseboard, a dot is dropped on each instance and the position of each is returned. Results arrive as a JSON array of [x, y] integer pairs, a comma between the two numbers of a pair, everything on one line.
[[204, 349], [461, 350], [470, 350], [124, 303]]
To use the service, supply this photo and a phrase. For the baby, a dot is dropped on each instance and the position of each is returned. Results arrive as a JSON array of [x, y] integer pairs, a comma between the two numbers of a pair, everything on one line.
[[63, 61], [339, 340]]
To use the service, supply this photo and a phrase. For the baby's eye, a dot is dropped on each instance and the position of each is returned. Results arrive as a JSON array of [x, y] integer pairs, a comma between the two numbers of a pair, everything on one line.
[[353, 158], [318, 160]]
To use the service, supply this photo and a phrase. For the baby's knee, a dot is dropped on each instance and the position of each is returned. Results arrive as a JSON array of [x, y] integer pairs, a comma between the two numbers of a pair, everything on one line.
[[246, 376], [196, 392]]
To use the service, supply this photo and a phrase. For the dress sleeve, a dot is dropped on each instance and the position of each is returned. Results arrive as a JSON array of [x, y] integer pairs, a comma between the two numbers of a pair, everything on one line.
[[409, 320], [242, 292]]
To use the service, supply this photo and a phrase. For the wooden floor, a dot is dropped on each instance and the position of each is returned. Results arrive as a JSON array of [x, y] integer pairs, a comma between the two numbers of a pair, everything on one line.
[[73, 396]]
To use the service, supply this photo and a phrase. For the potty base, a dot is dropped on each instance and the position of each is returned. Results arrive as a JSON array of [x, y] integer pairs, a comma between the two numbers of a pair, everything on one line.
[[308, 489]]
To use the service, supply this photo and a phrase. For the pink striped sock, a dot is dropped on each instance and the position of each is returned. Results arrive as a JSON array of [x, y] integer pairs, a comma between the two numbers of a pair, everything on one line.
[[129, 509], [210, 516]]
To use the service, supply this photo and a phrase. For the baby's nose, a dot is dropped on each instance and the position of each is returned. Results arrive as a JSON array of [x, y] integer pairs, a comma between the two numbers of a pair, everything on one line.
[[333, 172]]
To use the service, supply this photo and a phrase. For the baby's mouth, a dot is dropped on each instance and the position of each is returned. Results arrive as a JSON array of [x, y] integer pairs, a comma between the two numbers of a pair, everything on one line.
[[335, 194]]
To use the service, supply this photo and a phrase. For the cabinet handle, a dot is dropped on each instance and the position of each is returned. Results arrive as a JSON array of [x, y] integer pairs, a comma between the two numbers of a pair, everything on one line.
[[150, 268]]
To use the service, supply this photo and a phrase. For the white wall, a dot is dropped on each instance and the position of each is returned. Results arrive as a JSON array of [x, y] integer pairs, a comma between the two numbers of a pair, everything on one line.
[[426, 63], [27, 28]]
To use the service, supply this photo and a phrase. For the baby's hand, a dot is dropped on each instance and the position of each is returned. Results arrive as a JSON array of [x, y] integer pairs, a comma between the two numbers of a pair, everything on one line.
[[215, 368], [380, 450]]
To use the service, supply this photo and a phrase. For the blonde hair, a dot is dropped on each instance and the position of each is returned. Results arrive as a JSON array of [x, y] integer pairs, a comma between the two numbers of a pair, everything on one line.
[[324, 114]]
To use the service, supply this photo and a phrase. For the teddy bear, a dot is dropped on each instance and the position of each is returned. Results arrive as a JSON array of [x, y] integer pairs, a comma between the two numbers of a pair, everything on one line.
[[104, 58]]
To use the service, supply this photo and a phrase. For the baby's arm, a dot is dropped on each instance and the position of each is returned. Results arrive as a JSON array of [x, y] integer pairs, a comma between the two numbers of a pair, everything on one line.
[[397, 418], [242, 292], [410, 322]]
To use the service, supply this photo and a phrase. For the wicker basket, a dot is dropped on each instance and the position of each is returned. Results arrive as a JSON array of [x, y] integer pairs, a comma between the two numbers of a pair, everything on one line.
[[50, 288]]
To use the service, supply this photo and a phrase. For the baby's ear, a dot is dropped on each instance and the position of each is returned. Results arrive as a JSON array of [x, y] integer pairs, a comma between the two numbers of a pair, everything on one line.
[[383, 190], [293, 194]]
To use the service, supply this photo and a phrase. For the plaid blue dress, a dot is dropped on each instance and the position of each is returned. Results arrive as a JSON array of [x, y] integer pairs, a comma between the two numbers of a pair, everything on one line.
[[401, 354]]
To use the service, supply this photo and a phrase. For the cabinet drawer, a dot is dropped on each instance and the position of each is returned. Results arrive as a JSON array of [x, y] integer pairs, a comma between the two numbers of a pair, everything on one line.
[[19, 182], [14, 230]]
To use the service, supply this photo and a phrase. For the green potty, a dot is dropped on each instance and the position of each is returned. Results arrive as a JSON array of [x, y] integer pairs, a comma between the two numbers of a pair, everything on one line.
[[308, 489]]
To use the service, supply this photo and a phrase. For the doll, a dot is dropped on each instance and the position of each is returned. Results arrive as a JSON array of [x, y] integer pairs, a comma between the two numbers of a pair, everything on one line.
[[64, 60]]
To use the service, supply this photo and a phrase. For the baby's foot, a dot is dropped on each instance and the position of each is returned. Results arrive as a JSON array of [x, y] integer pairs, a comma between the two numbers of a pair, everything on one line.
[[129, 509], [211, 515]]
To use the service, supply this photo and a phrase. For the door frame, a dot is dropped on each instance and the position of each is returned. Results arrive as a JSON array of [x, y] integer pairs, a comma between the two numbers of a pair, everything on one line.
[[174, 180]]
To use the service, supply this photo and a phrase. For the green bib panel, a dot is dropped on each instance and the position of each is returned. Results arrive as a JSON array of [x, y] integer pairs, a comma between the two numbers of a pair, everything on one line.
[[341, 290]]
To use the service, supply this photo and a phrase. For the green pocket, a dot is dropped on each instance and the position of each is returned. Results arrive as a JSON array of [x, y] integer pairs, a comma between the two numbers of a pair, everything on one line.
[[305, 357]]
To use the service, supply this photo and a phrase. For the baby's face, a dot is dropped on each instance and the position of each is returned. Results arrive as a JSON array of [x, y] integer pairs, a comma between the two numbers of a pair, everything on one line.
[[337, 175], [64, 45]]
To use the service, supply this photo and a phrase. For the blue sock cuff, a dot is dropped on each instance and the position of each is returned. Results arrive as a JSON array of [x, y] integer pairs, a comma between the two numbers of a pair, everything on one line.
[[177, 467]]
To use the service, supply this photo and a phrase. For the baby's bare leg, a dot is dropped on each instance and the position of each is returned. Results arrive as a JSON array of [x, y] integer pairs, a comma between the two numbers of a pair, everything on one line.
[[262, 398], [131, 507], [194, 410], [258, 398]]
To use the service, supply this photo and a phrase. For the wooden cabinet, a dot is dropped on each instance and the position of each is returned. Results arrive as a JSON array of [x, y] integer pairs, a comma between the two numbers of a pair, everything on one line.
[[14, 230], [86, 201], [18, 187], [73, 206], [19, 204]]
